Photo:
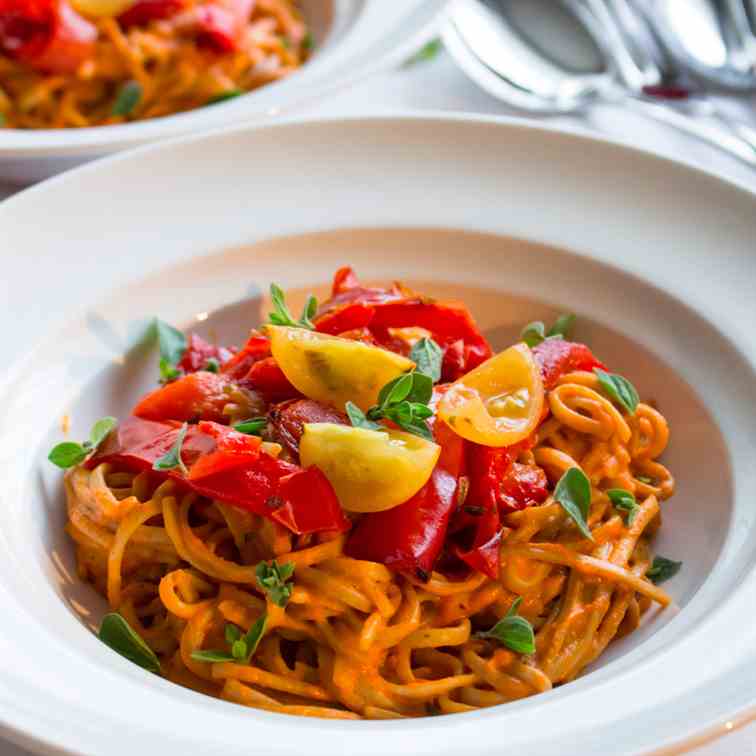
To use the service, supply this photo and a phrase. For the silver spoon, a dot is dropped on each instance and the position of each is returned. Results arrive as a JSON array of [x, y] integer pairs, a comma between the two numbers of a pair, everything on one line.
[[711, 39], [495, 55]]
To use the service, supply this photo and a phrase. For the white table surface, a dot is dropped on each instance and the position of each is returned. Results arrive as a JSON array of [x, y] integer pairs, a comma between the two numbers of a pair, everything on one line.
[[437, 84]]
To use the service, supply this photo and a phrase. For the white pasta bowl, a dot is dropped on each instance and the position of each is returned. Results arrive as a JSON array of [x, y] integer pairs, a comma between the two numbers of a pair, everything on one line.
[[353, 39], [655, 258]]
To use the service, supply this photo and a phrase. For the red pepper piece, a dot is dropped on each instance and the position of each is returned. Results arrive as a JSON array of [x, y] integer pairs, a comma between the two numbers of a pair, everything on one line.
[[233, 449], [347, 290], [453, 362], [196, 396], [257, 348], [144, 11], [199, 351], [49, 35], [557, 357], [344, 278], [288, 420], [483, 555], [309, 503], [266, 377], [522, 486], [409, 537], [221, 24], [486, 467], [347, 318], [137, 444]]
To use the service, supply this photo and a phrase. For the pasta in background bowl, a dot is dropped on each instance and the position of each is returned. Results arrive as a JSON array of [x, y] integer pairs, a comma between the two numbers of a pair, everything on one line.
[[639, 313]]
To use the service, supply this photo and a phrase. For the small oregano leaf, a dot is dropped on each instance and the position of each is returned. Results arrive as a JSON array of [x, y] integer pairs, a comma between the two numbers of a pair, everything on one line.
[[618, 389], [625, 502], [662, 569], [427, 356], [172, 458], [513, 631], [116, 633]]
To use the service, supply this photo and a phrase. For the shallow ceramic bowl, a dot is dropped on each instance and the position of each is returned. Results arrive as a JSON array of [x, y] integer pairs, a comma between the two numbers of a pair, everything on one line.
[[655, 258], [353, 39]]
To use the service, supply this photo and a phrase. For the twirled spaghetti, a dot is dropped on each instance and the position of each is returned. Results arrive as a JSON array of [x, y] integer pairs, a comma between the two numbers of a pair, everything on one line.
[[363, 639]]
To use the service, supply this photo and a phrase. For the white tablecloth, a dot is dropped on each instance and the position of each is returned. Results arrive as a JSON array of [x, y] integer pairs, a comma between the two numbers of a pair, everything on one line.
[[437, 84]]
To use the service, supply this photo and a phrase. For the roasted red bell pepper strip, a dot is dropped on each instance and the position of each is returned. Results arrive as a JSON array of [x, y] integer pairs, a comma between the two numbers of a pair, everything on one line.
[[557, 357], [483, 554], [257, 348], [232, 449], [308, 503], [48, 35], [137, 444], [198, 396], [522, 486], [144, 11], [409, 538], [347, 290], [221, 24], [199, 351], [288, 420], [347, 318], [266, 377]]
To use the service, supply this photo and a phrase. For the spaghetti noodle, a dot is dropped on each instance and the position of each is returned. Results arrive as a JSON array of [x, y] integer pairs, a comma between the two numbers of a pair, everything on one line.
[[156, 58], [358, 638]]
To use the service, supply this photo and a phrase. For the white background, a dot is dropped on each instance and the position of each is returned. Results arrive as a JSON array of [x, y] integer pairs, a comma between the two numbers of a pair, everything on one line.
[[437, 85]]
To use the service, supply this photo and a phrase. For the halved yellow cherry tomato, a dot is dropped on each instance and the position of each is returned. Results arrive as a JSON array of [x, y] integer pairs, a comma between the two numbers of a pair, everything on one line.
[[334, 370], [102, 8], [369, 470], [499, 402]]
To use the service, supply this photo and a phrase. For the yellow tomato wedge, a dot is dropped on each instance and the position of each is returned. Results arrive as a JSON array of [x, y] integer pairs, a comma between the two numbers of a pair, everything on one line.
[[499, 402], [102, 8], [334, 370], [369, 470]]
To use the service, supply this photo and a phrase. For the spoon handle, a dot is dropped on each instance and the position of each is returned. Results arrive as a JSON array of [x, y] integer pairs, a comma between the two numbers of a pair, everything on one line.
[[740, 142]]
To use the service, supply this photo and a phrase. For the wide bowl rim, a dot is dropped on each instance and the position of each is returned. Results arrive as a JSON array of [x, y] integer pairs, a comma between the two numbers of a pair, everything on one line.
[[579, 137]]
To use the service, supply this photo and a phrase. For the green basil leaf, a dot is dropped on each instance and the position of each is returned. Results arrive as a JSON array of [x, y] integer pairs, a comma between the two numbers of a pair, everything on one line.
[[662, 569], [212, 657], [358, 420], [127, 99], [422, 388], [255, 634], [272, 579], [573, 492], [562, 326], [618, 389], [428, 356], [100, 430], [171, 341], [116, 633], [253, 427], [533, 333], [426, 52], [67, 454], [625, 502], [172, 458], [229, 94], [513, 631], [395, 391]]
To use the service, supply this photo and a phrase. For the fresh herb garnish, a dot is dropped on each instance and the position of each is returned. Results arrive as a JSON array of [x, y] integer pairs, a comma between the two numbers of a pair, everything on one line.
[[427, 356], [116, 633], [618, 389], [272, 579], [645, 479], [403, 401], [281, 315], [662, 569], [358, 419], [253, 427], [242, 647], [534, 333], [512, 631], [308, 42], [573, 492], [128, 98], [172, 458], [172, 345], [212, 365], [229, 94], [70, 453], [426, 52], [625, 502]]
